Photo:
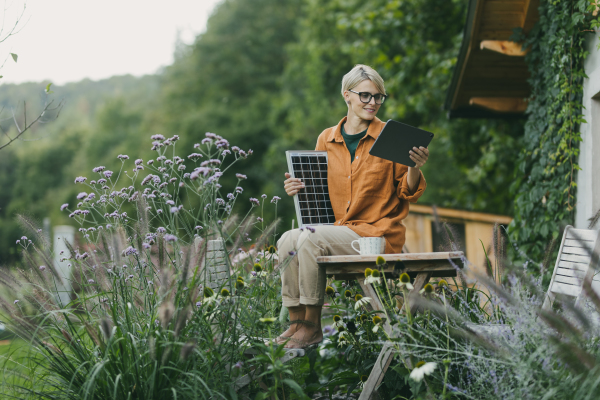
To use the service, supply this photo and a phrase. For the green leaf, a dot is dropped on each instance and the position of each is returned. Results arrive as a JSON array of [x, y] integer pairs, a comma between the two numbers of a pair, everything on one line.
[[14, 56], [296, 388], [48, 88]]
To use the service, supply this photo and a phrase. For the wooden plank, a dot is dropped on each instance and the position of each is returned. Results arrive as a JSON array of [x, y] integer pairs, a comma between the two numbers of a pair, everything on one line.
[[582, 234], [412, 274], [577, 251], [571, 272], [359, 268], [378, 372], [569, 280], [442, 255], [586, 244], [575, 258], [460, 214], [571, 265], [563, 288]]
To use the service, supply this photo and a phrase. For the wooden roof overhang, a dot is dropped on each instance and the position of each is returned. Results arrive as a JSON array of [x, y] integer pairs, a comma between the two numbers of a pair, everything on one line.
[[490, 76]]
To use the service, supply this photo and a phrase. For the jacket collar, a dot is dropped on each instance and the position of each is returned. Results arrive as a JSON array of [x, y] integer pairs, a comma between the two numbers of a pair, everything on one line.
[[374, 130]]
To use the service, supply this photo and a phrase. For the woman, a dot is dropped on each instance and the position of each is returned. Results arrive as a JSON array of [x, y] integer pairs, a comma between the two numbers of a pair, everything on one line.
[[369, 196]]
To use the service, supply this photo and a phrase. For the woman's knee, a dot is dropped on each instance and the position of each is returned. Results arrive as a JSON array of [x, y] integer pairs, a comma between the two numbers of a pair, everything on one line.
[[287, 241]]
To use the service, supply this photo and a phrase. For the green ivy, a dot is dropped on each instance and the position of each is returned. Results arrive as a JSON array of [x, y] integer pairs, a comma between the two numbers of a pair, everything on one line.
[[547, 165]]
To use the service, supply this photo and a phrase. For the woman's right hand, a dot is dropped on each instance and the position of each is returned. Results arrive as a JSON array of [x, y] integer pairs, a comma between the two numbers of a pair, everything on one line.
[[292, 185]]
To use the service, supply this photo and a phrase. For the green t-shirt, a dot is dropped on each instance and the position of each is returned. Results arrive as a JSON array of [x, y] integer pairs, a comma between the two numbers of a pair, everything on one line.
[[352, 141]]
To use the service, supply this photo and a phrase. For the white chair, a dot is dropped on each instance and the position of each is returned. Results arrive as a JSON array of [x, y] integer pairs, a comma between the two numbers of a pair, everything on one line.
[[574, 265]]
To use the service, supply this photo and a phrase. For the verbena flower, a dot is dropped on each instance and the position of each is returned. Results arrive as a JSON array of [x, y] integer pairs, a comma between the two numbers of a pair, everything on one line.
[[254, 201], [275, 199], [405, 281], [80, 179], [421, 370], [380, 260], [42, 267], [99, 169], [123, 157], [62, 208]]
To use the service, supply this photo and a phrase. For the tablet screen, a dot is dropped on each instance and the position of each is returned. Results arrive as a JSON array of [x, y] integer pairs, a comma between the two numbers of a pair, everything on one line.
[[397, 139]]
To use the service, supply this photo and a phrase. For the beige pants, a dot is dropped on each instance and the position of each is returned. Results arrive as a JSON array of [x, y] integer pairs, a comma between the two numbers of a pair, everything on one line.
[[302, 281]]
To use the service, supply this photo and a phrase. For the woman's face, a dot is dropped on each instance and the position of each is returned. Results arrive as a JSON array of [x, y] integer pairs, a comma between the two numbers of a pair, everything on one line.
[[357, 107]]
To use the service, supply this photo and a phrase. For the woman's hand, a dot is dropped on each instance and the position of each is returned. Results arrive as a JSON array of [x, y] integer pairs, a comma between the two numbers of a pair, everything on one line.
[[419, 156], [292, 185]]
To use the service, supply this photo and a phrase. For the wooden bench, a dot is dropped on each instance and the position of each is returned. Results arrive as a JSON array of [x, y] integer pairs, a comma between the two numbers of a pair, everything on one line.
[[420, 266]]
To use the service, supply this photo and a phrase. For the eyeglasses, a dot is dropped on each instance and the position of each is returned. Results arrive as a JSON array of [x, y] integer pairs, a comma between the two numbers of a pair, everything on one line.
[[366, 97]]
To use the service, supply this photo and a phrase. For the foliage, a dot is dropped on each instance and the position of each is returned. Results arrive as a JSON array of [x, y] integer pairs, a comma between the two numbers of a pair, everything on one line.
[[545, 185]]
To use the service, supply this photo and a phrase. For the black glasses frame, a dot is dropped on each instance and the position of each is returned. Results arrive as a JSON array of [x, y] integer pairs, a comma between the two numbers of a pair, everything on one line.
[[361, 94]]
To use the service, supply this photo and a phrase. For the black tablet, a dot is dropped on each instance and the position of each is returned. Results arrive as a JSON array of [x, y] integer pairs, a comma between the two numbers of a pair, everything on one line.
[[397, 139]]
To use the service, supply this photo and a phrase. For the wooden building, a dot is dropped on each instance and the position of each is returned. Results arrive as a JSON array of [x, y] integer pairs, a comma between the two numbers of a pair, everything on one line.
[[425, 232]]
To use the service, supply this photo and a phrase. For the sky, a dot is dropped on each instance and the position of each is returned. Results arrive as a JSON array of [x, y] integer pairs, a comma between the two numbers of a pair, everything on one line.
[[69, 40]]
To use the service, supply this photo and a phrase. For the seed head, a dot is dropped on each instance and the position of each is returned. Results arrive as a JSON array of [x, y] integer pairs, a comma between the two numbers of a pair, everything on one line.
[[404, 278], [348, 293], [267, 320], [377, 319], [368, 272], [442, 283], [329, 291], [380, 260], [208, 292], [428, 288], [224, 292], [363, 378], [258, 267], [337, 318], [376, 274], [358, 297]]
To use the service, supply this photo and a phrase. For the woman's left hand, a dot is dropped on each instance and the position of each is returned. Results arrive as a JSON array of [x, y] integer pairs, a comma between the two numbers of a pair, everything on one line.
[[419, 156]]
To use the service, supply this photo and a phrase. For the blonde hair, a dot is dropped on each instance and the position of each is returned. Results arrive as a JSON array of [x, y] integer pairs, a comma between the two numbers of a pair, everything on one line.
[[361, 73]]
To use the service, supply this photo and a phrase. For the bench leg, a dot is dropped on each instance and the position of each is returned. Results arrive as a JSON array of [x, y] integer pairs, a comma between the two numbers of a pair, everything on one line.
[[420, 281], [378, 372]]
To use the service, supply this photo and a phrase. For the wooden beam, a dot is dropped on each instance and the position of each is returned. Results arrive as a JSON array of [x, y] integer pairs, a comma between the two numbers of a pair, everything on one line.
[[461, 214], [504, 47], [500, 104]]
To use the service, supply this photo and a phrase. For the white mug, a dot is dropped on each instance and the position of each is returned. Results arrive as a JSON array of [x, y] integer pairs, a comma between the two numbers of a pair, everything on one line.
[[369, 245]]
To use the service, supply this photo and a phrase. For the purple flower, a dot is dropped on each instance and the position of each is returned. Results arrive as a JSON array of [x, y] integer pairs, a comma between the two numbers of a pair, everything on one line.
[[42, 267], [80, 179], [174, 210], [101, 181], [16, 301], [108, 174], [264, 196], [99, 169], [222, 143], [275, 199], [130, 277], [139, 161], [198, 227], [241, 176], [250, 151], [238, 365], [310, 228], [292, 253], [195, 156], [170, 238], [210, 135], [62, 208], [91, 281], [243, 153], [239, 189], [235, 148], [157, 137], [108, 226], [130, 251], [220, 202], [82, 195], [206, 140], [146, 245], [123, 157], [253, 273], [199, 304], [259, 219], [254, 201], [150, 162]]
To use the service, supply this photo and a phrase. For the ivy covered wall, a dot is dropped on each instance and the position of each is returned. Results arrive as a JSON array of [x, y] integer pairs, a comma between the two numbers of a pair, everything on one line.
[[545, 186]]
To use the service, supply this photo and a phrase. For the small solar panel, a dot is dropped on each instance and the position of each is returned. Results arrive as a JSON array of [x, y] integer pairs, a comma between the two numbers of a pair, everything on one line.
[[313, 206]]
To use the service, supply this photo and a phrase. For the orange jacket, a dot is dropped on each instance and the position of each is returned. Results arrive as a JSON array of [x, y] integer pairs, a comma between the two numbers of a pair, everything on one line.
[[370, 195]]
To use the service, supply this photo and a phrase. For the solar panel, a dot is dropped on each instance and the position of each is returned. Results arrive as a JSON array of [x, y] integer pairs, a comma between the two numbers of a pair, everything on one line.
[[312, 203]]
